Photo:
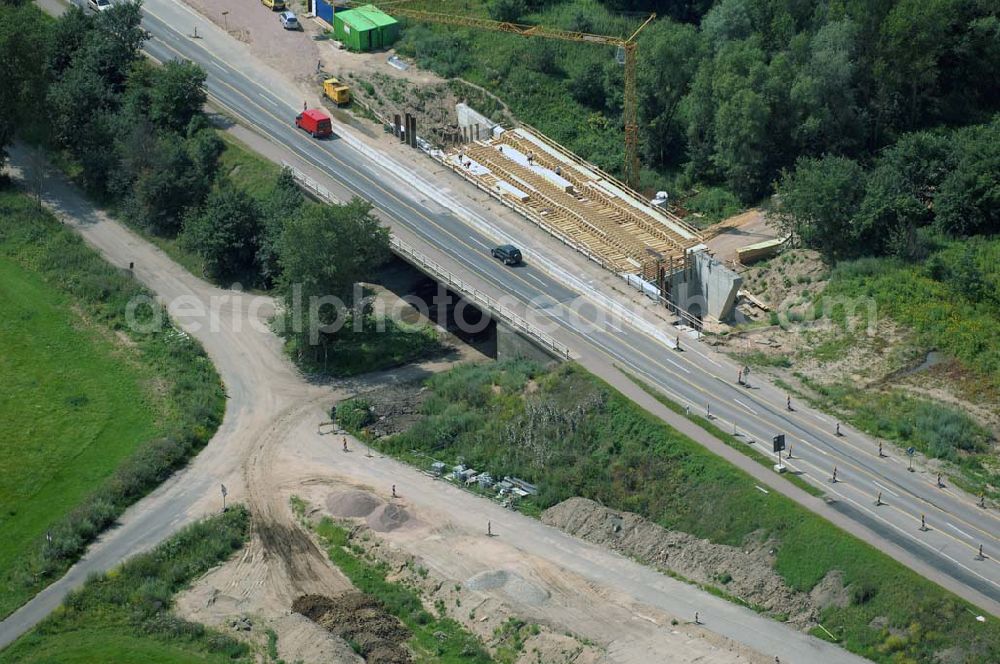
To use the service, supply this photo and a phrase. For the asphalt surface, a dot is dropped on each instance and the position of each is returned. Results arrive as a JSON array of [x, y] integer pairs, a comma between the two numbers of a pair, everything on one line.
[[695, 376]]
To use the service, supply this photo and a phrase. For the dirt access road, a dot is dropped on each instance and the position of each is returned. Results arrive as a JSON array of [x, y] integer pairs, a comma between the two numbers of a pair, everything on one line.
[[272, 416]]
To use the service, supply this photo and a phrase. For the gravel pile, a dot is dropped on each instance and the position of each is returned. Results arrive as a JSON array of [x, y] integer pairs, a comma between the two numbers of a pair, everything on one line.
[[352, 503], [512, 584], [387, 517]]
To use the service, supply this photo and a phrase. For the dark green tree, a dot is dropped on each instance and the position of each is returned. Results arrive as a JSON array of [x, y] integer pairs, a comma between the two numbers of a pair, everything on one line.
[[507, 10], [587, 85], [668, 60], [22, 71], [204, 147], [740, 139], [968, 198], [225, 232], [284, 201], [818, 203], [68, 35], [323, 252], [169, 184], [176, 95], [823, 93], [115, 42]]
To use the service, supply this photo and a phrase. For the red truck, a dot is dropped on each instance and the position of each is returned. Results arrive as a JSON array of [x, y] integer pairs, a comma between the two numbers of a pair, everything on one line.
[[314, 121]]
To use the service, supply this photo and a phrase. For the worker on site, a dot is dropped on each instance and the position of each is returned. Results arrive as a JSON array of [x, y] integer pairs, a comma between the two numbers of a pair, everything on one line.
[[393, 490], [345, 443]]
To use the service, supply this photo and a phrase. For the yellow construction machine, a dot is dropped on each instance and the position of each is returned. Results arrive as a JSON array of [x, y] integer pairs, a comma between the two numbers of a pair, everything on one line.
[[338, 93]]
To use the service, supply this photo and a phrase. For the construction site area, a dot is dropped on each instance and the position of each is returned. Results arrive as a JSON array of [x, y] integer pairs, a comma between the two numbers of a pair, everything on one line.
[[576, 202]]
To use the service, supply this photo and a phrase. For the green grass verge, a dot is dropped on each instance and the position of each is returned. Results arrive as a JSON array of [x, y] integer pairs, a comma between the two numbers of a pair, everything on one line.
[[95, 416], [246, 169], [761, 359], [124, 616], [575, 436], [437, 639]]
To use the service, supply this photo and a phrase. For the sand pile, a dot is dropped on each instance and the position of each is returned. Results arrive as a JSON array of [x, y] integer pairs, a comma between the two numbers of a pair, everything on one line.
[[746, 572], [359, 619], [352, 503], [387, 517], [512, 584]]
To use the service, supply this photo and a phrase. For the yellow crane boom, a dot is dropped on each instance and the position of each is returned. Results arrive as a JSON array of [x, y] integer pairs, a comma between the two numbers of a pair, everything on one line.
[[630, 105]]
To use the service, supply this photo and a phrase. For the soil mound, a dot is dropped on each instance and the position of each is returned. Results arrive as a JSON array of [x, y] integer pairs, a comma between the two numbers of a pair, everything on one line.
[[514, 585], [387, 517], [746, 572], [352, 503], [359, 619]]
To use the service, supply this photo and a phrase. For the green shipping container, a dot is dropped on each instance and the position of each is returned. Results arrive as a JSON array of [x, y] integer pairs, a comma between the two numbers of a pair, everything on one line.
[[364, 28]]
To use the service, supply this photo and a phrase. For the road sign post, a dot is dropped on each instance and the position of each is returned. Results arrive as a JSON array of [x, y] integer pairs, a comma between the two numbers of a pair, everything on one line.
[[778, 444]]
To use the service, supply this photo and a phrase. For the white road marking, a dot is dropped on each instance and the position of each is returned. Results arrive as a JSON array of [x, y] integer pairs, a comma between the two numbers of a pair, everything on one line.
[[537, 280], [888, 491], [745, 406], [957, 530], [480, 243]]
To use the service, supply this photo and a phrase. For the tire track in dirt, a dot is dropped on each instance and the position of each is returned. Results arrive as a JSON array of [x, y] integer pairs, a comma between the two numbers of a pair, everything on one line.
[[293, 564]]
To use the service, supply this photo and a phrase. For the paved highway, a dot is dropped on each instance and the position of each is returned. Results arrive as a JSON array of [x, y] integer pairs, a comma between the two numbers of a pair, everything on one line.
[[956, 526]]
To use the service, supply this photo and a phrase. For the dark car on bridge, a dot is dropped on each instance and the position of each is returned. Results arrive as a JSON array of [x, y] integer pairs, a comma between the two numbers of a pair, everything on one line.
[[508, 253]]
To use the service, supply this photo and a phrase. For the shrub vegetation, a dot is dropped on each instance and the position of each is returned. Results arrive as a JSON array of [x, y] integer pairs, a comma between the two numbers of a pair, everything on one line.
[[125, 615]]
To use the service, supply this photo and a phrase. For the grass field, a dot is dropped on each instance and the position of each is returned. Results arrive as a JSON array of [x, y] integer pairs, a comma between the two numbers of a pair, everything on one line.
[[92, 415], [74, 404], [575, 436], [124, 616], [106, 644]]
